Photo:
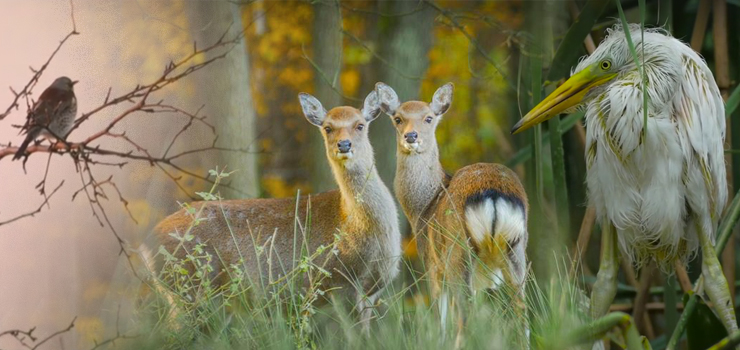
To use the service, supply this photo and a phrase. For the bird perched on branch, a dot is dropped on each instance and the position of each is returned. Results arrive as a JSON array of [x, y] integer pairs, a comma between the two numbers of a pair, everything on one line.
[[52, 116], [659, 188]]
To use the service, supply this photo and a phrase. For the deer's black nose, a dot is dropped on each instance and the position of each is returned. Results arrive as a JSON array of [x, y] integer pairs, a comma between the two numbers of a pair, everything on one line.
[[411, 137], [344, 146]]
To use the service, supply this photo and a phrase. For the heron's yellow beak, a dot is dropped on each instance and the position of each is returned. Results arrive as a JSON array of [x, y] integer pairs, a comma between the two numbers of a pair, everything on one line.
[[566, 96]]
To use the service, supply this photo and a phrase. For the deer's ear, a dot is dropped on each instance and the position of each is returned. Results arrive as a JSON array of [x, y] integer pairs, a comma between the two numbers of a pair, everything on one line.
[[442, 99], [388, 98], [371, 107], [312, 109]]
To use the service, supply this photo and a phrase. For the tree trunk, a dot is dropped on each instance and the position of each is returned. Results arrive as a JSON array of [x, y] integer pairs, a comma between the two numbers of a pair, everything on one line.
[[404, 42], [228, 96], [327, 55]]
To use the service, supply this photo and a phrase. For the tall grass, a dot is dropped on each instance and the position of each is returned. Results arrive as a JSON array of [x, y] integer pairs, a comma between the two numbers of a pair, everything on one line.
[[183, 306]]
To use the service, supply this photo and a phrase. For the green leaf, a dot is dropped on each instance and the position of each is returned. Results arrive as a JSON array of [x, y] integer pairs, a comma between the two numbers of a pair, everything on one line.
[[703, 329], [572, 45], [733, 101], [671, 299], [640, 66]]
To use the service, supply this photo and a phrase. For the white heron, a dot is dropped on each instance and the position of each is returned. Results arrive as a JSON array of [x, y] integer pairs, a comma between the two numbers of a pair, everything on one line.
[[660, 194]]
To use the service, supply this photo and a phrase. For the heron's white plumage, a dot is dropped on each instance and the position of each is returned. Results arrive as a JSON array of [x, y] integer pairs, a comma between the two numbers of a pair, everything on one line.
[[655, 188]]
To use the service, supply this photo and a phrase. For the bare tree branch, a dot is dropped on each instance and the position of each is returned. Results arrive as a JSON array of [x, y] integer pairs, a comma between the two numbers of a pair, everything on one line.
[[26, 91], [380, 58], [38, 210], [452, 18], [418, 8], [21, 336]]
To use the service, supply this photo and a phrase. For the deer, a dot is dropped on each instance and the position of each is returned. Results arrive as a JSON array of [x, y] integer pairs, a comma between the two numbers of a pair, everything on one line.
[[361, 212], [470, 227]]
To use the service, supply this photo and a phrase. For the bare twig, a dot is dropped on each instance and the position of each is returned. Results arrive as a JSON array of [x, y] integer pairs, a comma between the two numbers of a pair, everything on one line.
[[90, 154], [380, 58], [26, 91], [700, 24], [326, 79], [455, 23], [72, 14], [654, 306], [584, 236], [642, 319], [418, 8], [38, 210], [21, 336], [683, 277]]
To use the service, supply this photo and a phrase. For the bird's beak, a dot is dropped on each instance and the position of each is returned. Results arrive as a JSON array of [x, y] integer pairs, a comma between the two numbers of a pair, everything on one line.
[[565, 96], [75, 82]]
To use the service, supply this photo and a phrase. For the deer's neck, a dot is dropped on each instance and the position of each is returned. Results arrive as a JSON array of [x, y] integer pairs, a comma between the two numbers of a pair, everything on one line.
[[419, 178], [366, 201]]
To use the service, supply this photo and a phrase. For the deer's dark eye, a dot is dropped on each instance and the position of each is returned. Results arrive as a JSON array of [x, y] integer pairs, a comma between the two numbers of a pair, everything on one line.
[[327, 129], [397, 120], [428, 119], [360, 127]]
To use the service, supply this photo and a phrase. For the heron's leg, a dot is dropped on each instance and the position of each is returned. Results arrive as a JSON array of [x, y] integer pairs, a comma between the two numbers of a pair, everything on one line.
[[605, 287], [715, 283]]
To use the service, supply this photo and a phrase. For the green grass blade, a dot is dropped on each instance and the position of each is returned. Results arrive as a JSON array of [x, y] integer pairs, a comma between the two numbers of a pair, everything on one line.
[[571, 47], [536, 71], [641, 4], [524, 154], [671, 301], [732, 102], [631, 44], [566, 56], [561, 187]]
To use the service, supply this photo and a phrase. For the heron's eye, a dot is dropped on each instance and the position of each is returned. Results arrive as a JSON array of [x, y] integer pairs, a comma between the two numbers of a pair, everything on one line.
[[397, 120], [327, 129], [606, 64], [428, 120], [360, 127]]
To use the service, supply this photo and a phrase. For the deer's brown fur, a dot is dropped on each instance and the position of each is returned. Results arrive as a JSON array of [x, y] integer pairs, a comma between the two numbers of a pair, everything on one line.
[[471, 228], [361, 212]]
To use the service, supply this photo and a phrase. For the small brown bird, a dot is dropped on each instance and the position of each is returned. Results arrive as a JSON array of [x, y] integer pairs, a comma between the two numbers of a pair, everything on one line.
[[52, 116]]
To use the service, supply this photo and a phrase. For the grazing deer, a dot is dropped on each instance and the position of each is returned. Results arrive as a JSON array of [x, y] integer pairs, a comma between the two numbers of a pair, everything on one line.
[[361, 212], [471, 228]]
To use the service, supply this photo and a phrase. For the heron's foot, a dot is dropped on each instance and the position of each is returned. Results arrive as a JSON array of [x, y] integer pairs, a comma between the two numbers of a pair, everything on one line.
[[718, 291], [715, 284], [604, 290], [605, 287]]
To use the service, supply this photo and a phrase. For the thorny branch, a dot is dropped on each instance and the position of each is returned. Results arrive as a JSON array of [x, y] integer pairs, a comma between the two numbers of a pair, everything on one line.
[[88, 154], [453, 19], [22, 336], [379, 57], [326, 79], [26, 91], [418, 8], [38, 210]]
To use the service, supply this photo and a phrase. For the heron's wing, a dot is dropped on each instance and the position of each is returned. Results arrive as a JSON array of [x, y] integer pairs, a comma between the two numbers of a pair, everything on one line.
[[700, 116]]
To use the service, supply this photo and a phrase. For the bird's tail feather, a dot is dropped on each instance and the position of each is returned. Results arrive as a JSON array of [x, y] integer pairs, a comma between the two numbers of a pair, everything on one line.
[[29, 138]]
